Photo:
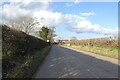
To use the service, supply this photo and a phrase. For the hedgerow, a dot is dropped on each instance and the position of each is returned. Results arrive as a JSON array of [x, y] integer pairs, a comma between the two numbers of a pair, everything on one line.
[[17, 46]]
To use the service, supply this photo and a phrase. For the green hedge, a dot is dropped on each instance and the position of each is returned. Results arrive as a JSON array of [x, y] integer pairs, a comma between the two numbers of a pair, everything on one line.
[[19, 43], [30, 65], [17, 46]]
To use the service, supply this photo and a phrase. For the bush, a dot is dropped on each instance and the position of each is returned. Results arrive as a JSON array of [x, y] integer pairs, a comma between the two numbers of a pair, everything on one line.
[[17, 46]]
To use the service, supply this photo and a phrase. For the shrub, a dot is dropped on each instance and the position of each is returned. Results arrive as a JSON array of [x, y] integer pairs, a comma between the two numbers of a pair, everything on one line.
[[17, 46]]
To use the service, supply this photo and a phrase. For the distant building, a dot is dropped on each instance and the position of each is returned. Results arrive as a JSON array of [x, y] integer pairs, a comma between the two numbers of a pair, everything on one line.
[[63, 41]]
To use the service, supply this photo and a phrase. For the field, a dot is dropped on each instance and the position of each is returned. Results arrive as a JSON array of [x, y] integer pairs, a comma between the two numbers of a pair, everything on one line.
[[107, 46]]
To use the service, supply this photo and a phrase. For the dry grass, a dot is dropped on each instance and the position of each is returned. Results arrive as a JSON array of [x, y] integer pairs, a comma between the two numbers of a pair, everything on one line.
[[105, 51]]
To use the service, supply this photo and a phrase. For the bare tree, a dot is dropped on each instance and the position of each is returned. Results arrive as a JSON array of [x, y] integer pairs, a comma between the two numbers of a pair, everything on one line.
[[24, 23], [51, 34]]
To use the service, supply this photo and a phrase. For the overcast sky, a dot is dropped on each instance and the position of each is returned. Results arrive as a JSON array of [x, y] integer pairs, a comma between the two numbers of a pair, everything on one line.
[[76, 18]]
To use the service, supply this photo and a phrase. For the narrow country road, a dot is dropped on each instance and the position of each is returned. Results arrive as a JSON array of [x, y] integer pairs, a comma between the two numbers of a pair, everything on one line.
[[65, 63]]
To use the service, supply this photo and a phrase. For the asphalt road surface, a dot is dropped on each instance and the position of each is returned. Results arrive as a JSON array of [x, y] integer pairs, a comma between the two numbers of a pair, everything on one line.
[[66, 63]]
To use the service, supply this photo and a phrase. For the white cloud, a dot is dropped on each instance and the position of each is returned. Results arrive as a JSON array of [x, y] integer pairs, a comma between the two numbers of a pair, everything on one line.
[[80, 24], [43, 12], [11, 11], [48, 17], [69, 4], [15, 9], [87, 26], [77, 1], [26, 1], [88, 14]]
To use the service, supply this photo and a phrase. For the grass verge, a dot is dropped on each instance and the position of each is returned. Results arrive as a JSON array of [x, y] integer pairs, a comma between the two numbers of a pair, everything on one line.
[[101, 50], [29, 67]]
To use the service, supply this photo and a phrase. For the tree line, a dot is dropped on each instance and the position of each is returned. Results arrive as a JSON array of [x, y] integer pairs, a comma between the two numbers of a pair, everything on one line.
[[28, 25]]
